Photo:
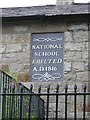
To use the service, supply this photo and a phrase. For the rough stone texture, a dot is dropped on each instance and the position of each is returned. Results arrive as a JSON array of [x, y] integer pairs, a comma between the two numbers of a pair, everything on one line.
[[63, 2], [13, 48], [49, 10], [2, 48]]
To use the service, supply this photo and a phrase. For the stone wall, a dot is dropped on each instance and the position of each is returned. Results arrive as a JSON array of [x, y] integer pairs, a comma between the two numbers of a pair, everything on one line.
[[15, 53], [15, 47]]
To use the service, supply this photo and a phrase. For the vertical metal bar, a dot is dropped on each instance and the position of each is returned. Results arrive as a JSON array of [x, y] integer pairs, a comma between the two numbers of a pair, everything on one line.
[[12, 101], [75, 99], [39, 91], [66, 88], [3, 80], [21, 100], [84, 102], [57, 90], [4, 104], [48, 91], [30, 103]]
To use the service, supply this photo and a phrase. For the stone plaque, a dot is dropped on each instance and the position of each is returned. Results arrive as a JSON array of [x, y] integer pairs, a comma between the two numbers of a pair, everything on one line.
[[47, 57]]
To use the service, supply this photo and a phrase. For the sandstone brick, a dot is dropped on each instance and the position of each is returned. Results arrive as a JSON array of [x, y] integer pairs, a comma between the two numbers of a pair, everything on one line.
[[13, 48], [78, 66], [80, 36]]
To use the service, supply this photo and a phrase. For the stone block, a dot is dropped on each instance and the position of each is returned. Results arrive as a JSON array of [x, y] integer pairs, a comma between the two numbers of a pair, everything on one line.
[[85, 56], [26, 47], [2, 48], [6, 38], [88, 46], [9, 58], [80, 36], [68, 36], [78, 26], [72, 56], [78, 66], [69, 76], [15, 67], [13, 48], [23, 57], [71, 46], [21, 38], [67, 66], [82, 76]]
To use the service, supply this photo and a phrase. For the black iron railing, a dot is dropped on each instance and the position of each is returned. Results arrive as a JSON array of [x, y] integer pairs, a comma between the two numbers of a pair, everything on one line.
[[5, 81], [21, 102]]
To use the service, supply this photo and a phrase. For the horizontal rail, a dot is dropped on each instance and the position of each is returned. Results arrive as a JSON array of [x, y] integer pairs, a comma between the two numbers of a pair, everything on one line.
[[88, 93]]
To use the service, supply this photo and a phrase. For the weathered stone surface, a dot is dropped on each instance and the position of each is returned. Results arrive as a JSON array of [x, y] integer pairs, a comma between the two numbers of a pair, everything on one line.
[[69, 76], [78, 26], [2, 48], [23, 57], [9, 58], [13, 48], [78, 66], [20, 38], [68, 36], [17, 67], [71, 46], [85, 56], [20, 29], [52, 10], [87, 46], [82, 76], [72, 56], [26, 47], [80, 36], [67, 66], [6, 38]]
